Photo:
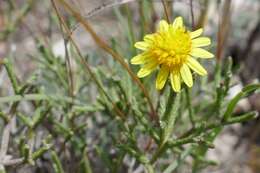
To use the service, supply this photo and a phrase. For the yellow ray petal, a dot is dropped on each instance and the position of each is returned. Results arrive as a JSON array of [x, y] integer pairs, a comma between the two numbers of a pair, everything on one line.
[[149, 38], [147, 69], [200, 42], [178, 22], [142, 45], [162, 77], [163, 26], [140, 59], [196, 33], [186, 75], [175, 81], [195, 65], [201, 53]]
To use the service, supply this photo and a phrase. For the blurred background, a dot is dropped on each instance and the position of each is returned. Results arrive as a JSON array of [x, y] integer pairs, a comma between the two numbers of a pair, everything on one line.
[[27, 27]]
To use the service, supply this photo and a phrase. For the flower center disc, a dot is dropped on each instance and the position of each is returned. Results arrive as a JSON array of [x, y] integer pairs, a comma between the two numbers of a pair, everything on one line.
[[172, 48]]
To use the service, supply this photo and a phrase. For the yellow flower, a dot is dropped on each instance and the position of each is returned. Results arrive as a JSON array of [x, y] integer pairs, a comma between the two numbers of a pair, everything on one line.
[[172, 49]]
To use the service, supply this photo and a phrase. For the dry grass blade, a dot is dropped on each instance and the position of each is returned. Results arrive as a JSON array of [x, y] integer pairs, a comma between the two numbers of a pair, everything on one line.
[[86, 65], [109, 50], [192, 14], [166, 12], [203, 15], [224, 23], [106, 5], [103, 6]]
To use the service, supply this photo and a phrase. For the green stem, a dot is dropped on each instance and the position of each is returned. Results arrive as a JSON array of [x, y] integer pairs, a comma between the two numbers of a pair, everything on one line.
[[169, 105], [188, 99], [158, 152], [4, 117], [142, 19], [182, 141], [2, 169], [149, 168], [239, 119], [169, 118], [56, 163], [36, 97], [131, 31], [11, 75]]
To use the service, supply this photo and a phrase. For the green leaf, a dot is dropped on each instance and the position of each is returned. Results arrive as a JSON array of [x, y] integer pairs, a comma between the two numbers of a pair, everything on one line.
[[56, 163], [105, 158], [27, 154], [84, 163], [11, 75], [242, 118], [38, 153], [39, 116], [2, 169], [26, 120], [232, 104], [178, 161], [4, 117]]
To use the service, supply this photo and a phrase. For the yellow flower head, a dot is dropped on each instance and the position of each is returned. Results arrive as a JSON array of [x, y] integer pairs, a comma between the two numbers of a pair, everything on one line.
[[172, 49]]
